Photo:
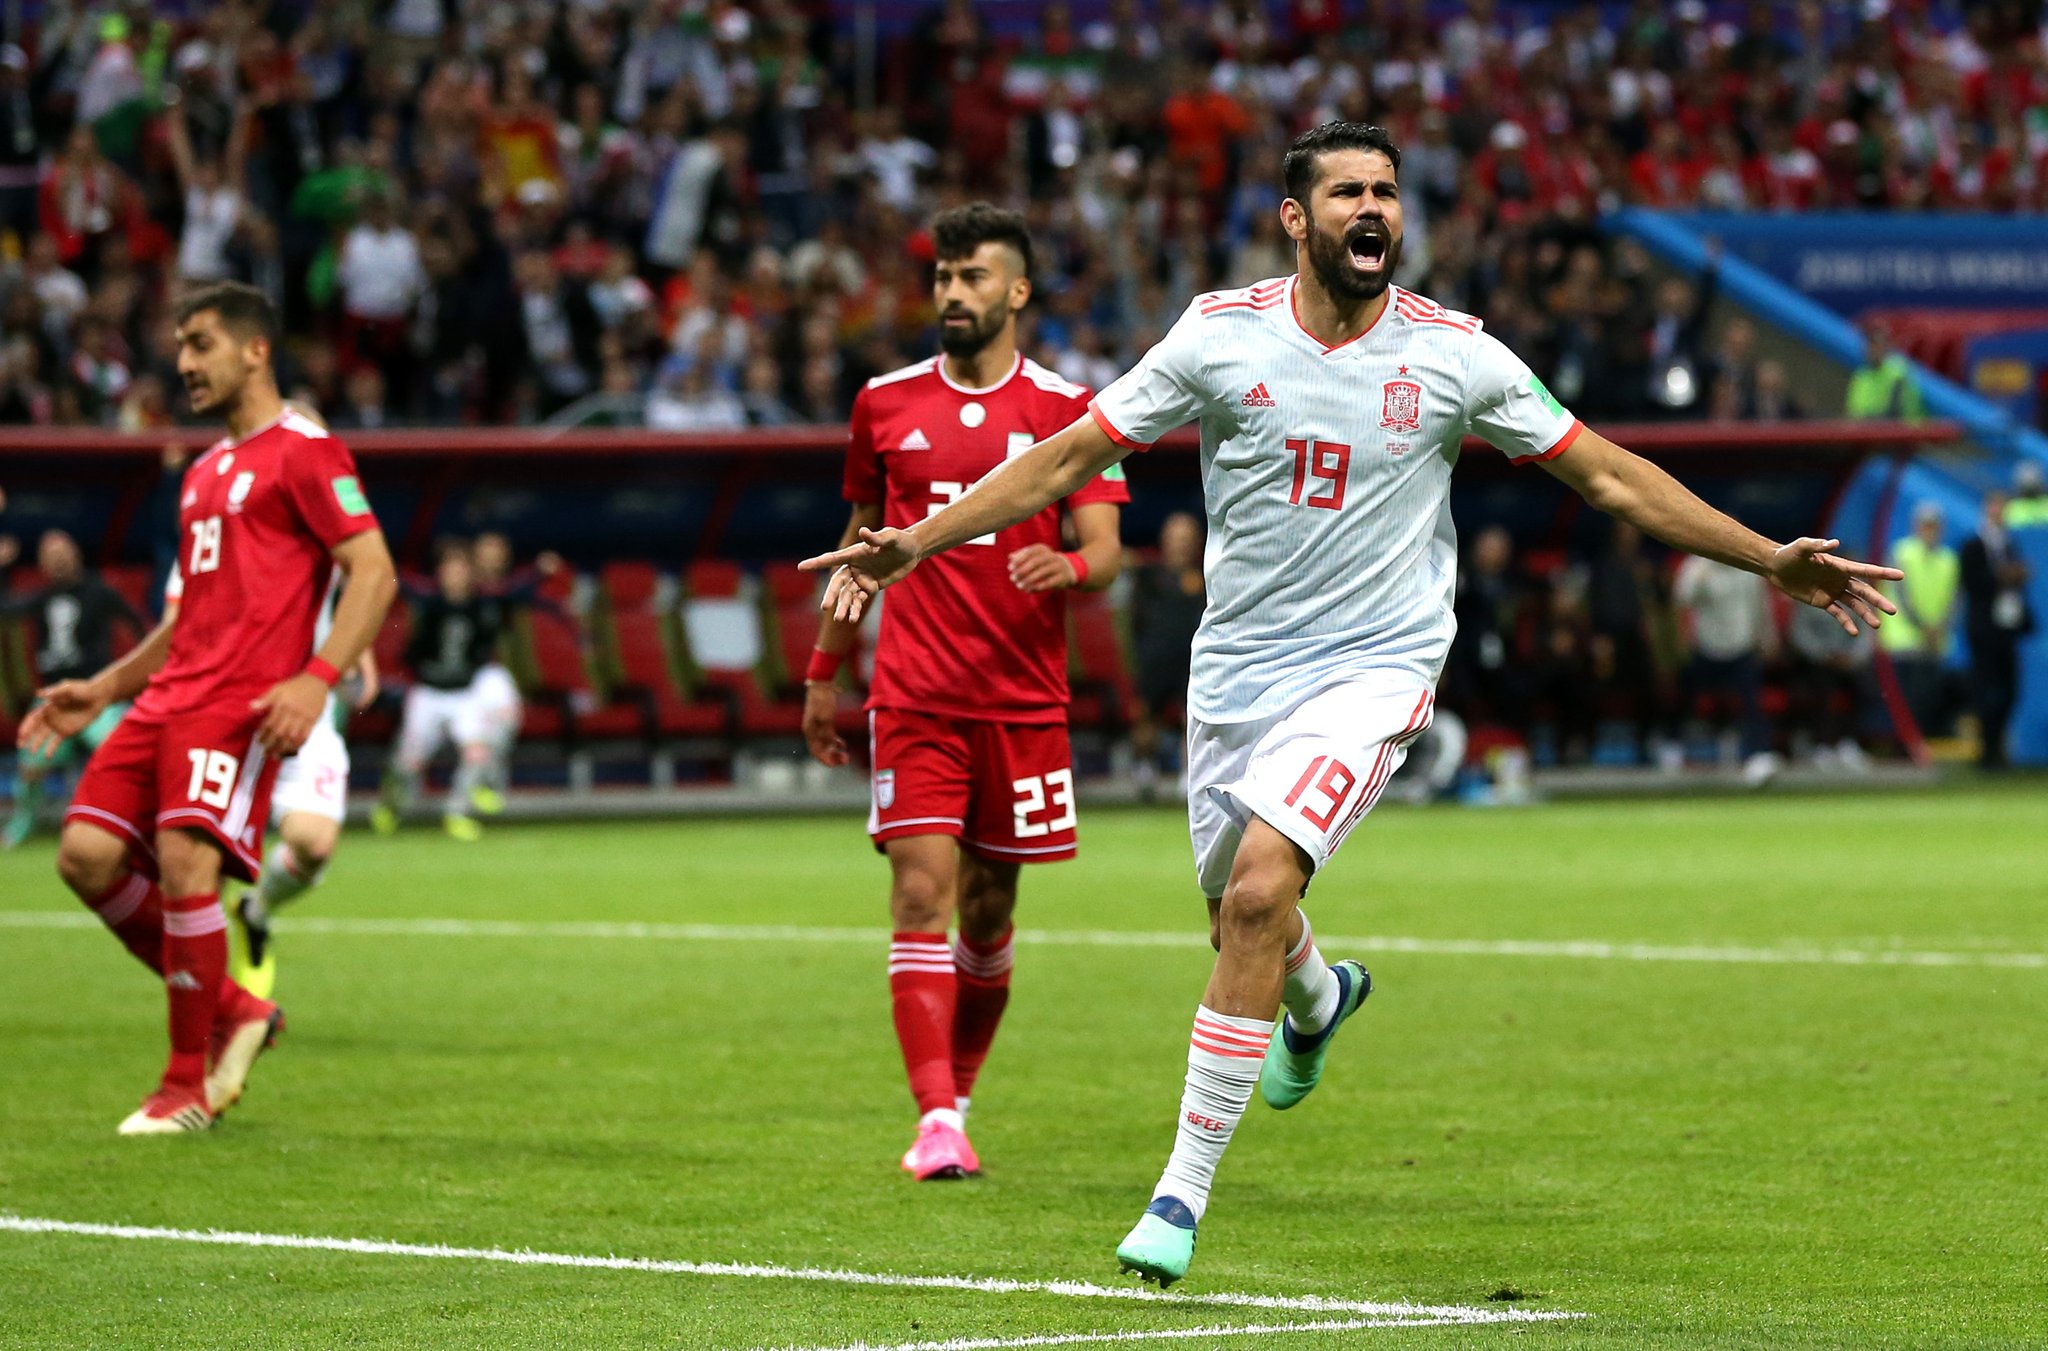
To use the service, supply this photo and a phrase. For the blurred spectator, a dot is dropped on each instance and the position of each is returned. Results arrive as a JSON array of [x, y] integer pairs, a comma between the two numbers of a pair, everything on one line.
[[1827, 687], [21, 143], [761, 394], [381, 279], [1919, 637], [2029, 505], [362, 407], [1483, 678], [685, 399], [895, 159], [1771, 399], [626, 142], [1674, 341], [1166, 602], [1729, 637], [213, 195], [560, 329], [1884, 386], [1996, 616], [1630, 619]]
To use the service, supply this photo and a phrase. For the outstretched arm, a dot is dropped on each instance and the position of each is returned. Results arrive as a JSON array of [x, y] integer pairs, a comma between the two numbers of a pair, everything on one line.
[[1054, 468], [69, 706], [1631, 488]]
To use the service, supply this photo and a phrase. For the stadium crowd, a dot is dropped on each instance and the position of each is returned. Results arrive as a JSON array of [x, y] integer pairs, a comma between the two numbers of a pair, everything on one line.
[[475, 210]]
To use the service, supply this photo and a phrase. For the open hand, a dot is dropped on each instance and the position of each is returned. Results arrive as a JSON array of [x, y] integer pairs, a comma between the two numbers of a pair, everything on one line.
[[1809, 573], [67, 708], [290, 708]]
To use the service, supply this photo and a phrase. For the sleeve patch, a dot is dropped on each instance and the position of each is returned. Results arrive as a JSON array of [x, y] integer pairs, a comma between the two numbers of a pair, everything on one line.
[[1544, 396], [348, 495], [1114, 474]]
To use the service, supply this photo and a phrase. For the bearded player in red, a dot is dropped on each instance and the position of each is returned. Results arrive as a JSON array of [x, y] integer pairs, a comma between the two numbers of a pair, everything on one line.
[[968, 712], [178, 796]]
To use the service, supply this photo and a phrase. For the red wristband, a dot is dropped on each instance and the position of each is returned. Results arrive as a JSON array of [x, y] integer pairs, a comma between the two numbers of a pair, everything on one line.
[[1080, 567], [316, 666], [824, 666]]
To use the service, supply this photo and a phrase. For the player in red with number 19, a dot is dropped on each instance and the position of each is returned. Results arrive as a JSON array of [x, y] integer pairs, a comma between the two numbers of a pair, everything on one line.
[[179, 794], [968, 714]]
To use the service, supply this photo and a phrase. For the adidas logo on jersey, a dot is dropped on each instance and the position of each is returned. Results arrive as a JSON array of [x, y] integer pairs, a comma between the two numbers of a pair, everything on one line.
[[1259, 398], [915, 441]]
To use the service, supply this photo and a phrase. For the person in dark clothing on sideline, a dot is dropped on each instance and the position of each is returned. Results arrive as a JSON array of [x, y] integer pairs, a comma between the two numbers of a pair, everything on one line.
[[1995, 616], [75, 613], [1167, 598]]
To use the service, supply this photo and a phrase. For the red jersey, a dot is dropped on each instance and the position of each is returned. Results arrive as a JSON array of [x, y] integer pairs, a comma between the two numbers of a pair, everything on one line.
[[257, 522], [958, 637]]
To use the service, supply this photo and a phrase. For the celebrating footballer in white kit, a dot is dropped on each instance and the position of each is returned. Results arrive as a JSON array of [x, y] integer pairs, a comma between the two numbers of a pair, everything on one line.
[[1332, 408]]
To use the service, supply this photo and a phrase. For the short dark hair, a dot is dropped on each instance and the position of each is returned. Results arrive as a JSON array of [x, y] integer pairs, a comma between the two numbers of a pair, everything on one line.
[[958, 232], [1299, 168], [244, 311]]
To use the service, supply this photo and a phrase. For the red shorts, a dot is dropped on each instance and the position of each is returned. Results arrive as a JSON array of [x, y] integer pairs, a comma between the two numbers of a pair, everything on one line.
[[202, 771], [1004, 789]]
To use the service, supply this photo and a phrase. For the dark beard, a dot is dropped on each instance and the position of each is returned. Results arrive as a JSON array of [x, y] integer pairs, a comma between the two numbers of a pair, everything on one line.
[[967, 342], [1330, 256]]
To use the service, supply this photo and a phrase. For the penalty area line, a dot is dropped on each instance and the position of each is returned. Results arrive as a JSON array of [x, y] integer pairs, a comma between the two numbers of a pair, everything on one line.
[[988, 1285], [1566, 949]]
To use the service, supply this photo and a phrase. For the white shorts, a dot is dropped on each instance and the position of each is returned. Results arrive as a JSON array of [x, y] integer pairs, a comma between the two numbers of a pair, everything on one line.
[[316, 779], [498, 694], [1311, 772], [433, 716]]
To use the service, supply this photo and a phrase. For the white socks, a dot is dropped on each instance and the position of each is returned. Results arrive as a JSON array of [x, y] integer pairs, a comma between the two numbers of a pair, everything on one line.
[[281, 881], [1311, 993], [1224, 1056]]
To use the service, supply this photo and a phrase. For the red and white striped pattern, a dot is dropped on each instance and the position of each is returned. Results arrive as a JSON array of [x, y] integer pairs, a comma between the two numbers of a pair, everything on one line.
[[1384, 766], [1302, 950], [1422, 310], [1233, 1038], [988, 965], [1263, 296], [925, 954], [195, 923], [123, 901]]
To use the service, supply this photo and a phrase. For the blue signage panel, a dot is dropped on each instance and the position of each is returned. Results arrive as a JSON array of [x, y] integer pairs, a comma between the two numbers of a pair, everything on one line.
[[1854, 261]]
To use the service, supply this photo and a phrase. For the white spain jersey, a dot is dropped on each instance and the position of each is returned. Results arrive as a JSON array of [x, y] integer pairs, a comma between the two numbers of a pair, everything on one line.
[[1327, 473]]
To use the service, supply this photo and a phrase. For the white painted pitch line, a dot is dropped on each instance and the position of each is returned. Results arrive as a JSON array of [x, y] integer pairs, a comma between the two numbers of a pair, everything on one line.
[[1171, 1334], [1575, 949], [988, 1285]]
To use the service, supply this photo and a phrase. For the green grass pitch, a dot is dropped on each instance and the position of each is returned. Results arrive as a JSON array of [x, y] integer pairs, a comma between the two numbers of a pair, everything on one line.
[[1692, 1153]]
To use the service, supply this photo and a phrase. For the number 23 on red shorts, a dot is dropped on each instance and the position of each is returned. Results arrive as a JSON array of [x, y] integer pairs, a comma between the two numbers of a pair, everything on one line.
[[1005, 790]]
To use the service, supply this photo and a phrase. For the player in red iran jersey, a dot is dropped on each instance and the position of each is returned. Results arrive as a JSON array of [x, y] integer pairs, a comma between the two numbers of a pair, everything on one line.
[[179, 795], [968, 710]]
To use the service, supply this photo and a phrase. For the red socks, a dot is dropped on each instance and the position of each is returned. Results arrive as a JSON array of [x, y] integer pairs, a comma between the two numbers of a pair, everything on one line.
[[195, 964], [133, 909], [922, 990], [983, 971]]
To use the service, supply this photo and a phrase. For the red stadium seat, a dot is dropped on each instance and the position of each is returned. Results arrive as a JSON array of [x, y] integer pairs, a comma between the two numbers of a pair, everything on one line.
[[564, 682], [644, 668], [728, 642], [628, 585]]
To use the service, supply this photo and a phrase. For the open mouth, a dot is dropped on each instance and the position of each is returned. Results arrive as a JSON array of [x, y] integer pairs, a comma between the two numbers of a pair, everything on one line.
[[1368, 249]]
